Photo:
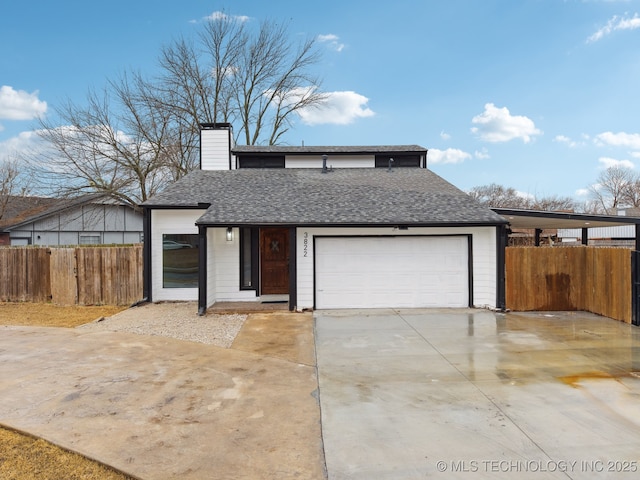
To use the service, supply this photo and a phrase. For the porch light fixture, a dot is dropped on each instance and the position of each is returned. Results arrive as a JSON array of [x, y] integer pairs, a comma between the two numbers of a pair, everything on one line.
[[229, 234]]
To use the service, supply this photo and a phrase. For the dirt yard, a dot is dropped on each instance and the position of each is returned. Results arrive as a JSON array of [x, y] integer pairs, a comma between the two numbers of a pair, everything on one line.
[[23, 457], [48, 315]]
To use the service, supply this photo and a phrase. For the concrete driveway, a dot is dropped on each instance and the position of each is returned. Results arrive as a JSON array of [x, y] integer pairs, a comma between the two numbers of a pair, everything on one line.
[[463, 394], [160, 408]]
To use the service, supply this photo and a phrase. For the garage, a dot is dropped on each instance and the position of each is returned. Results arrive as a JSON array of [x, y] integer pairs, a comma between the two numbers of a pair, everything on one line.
[[392, 272]]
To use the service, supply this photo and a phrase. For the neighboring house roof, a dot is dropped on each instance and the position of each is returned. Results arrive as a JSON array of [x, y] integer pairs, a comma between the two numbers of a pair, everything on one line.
[[19, 208], [328, 150], [357, 196], [30, 209]]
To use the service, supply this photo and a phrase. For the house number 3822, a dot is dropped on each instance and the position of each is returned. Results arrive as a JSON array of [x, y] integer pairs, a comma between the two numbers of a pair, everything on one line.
[[305, 244]]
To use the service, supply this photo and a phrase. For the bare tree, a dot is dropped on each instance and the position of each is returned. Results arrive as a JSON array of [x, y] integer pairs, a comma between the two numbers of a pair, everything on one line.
[[494, 195], [11, 183], [615, 187], [498, 196], [115, 145], [272, 82], [553, 203], [140, 134]]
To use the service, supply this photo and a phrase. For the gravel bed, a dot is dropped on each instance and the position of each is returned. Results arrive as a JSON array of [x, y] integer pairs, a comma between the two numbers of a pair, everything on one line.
[[174, 320]]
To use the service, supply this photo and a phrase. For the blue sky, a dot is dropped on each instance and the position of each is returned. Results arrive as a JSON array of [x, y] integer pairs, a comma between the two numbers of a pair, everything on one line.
[[538, 95]]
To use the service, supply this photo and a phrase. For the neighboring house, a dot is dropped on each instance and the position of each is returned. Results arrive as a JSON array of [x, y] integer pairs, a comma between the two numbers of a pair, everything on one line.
[[90, 219], [615, 236], [320, 227]]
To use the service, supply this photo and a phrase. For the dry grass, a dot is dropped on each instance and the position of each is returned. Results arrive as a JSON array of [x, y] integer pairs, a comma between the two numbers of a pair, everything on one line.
[[48, 315], [26, 458]]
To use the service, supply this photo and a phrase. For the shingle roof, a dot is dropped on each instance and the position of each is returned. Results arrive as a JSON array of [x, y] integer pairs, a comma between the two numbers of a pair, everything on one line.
[[329, 150], [357, 196], [23, 210]]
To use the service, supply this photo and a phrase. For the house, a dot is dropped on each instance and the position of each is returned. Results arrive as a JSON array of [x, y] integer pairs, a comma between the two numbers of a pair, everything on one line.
[[89, 219], [320, 227]]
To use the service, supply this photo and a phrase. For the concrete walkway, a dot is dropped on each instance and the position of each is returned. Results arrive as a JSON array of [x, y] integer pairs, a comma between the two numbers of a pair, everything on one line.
[[160, 408], [472, 394]]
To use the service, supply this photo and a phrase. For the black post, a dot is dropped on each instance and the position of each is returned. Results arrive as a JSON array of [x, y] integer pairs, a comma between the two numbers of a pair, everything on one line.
[[635, 287], [585, 236], [146, 256], [501, 245], [293, 279], [537, 237], [202, 270]]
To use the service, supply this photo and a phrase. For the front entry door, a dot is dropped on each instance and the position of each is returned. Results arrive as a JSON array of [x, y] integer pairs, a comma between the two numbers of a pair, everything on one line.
[[274, 261]]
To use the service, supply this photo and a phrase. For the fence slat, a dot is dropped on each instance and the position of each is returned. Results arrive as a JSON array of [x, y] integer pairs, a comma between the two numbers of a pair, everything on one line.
[[64, 291], [593, 279], [82, 275]]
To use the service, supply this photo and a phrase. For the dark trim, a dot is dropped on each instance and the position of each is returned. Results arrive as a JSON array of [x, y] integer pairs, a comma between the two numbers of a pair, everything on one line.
[[502, 241], [351, 225], [147, 289], [469, 255], [585, 236], [202, 271], [469, 268], [637, 237], [254, 234], [198, 206], [326, 150], [582, 217], [293, 279], [635, 288]]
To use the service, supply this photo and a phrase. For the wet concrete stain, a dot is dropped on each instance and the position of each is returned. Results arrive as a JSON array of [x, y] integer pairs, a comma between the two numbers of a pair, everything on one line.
[[576, 380]]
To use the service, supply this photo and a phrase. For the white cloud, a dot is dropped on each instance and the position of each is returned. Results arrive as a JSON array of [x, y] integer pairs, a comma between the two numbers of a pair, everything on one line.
[[24, 142], [608, 162], [20, 105], [332, 40], [497, 125], [615, 23], [217, 15], [482, 154], [582, 192], [621, 139], [565, 140], [339, 108], [450, 155], [444, 136]]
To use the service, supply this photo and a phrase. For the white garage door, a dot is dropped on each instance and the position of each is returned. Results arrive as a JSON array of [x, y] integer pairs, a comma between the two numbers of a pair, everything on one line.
[[391, 272]]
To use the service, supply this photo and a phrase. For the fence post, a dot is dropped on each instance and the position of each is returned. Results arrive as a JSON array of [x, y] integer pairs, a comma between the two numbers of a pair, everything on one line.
[[635, 287]]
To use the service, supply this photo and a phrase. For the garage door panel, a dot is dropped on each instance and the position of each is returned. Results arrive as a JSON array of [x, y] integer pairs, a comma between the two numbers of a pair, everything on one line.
[[373, 272]]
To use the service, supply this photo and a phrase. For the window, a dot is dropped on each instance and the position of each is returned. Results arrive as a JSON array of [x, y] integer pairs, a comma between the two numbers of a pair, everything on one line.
[[261, 162], [180, 261], [382, 161], [249, 258], [89, 239]]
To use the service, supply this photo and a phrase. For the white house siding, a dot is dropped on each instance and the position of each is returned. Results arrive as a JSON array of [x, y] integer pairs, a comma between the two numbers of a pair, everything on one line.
[[226, 272], [170, 222], [211, 265], [214, 149], [483, 256], [335, 161]]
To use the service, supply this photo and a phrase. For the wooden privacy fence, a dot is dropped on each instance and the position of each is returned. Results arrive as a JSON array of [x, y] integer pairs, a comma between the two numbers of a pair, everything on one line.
[[593, 279], [68, 276]]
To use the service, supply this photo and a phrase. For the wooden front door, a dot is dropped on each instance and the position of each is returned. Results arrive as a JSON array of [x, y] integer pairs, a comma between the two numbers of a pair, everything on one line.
[[274, 261]]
